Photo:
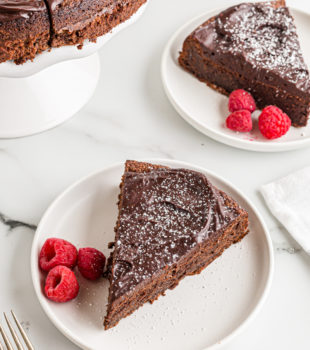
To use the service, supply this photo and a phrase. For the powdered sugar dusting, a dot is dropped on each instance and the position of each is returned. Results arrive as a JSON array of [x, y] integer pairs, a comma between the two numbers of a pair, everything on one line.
[[164, 214], [266, 36]]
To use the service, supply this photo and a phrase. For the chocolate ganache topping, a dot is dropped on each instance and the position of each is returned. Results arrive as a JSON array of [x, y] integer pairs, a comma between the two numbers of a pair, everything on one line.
[[164, 214], [13, 9], [264, 34]]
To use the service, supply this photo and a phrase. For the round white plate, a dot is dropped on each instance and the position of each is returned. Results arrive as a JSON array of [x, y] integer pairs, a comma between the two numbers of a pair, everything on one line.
[[206, 110], [203, 311]]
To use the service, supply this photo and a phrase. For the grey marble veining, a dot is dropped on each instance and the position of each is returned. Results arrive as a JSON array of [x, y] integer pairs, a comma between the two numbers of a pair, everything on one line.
[[12, 224]]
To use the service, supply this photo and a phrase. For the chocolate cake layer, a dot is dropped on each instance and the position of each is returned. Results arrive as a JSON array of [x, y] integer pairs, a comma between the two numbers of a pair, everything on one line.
[[73, 21], [28, 27], [24, 29], [252, 46], [172, 223]]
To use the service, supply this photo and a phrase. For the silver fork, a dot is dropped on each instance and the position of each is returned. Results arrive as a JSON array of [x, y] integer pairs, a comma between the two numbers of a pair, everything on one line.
[[14, 335]]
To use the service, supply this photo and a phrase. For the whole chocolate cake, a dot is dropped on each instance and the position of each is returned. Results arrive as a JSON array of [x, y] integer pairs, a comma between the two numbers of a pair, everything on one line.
[[172, 223], [29, 27], [252, 46]]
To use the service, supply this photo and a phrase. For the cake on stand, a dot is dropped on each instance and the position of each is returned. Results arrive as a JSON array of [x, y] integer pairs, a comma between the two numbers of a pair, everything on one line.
[[42, 94]]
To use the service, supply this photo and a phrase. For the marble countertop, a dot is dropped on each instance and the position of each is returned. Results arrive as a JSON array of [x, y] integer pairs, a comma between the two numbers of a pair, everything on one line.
[[130, 117]]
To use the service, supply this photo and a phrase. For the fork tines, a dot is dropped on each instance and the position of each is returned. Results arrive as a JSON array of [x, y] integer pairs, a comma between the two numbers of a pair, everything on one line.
[[15, 337]]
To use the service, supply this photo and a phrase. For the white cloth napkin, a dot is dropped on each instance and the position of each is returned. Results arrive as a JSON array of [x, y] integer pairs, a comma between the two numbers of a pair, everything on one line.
[[289, 201]]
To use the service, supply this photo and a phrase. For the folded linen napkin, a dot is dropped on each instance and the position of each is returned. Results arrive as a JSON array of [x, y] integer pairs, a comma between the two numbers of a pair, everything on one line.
[[289, 201]]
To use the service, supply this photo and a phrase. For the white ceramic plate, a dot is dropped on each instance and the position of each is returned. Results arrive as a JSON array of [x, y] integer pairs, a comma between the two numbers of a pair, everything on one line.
[[206, 110], [203, 311]]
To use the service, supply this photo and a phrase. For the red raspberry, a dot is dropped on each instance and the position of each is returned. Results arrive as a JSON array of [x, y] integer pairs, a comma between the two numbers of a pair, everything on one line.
[[241, 99], [56, 252], [273, 122], [61, 284], [240, 121], [91, 263]]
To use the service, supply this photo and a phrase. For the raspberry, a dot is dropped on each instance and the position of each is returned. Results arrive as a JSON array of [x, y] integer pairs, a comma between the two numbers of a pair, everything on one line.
[[56, 252], [61, 284], [91, 263], [240, 121], [273, 122], [241, 99]]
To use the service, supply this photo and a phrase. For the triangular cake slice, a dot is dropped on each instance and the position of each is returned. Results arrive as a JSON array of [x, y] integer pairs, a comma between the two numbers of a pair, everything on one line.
[[252, 46], [172, 223]]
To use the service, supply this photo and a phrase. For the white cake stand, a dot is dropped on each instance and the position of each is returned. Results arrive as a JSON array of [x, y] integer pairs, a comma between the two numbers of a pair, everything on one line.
[[42, 94]]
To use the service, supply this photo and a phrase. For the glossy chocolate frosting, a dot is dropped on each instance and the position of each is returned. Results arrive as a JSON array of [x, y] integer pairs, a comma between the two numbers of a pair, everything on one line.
[[13, 9], [264, 34], [164, 215]]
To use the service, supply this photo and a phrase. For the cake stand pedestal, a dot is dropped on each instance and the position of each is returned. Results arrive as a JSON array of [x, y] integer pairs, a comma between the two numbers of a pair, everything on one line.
[[36, 103], [42, 94]]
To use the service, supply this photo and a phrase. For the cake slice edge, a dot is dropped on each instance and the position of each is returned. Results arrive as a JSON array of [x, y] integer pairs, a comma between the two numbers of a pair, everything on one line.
[[190, 264], [223, 80]]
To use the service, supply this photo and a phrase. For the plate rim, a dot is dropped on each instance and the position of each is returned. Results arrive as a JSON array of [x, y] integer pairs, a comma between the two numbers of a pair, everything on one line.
[[219, 137], [239, 329]]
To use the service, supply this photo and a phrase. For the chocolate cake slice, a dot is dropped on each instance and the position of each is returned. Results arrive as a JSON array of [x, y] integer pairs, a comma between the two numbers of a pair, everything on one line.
[[73, 21], [172, 223], [24, 29], [252, 46]]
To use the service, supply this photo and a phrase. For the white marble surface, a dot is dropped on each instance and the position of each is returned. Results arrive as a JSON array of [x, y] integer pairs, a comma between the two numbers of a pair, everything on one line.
[[130, 117]]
